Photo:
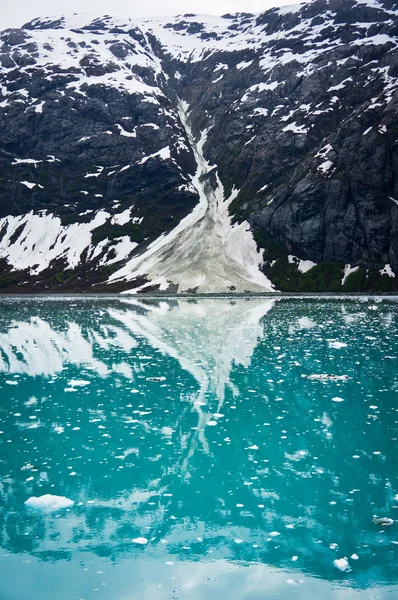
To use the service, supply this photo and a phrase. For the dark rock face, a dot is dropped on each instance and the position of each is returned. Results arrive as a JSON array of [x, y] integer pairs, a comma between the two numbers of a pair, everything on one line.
[[302, 107]]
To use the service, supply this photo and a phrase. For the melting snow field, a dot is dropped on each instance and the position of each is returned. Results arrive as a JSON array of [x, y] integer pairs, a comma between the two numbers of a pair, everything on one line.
[[198, 448], [204, 252]]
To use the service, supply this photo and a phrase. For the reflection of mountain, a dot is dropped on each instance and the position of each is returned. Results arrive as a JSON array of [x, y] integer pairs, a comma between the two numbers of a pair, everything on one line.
[[207, 338], [35, 348], [132, 446]]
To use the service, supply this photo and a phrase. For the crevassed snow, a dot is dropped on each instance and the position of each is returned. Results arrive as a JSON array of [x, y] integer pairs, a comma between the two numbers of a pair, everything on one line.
[[205, 251], [48, 502]]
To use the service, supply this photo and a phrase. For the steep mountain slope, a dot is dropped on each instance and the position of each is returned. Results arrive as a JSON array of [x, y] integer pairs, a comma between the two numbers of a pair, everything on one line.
[[127, 146]]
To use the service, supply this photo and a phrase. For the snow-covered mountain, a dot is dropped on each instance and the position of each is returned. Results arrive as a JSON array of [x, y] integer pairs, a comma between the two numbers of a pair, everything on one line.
[[235, 153]]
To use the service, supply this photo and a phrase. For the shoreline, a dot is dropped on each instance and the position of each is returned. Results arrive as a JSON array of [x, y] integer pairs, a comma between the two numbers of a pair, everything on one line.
[[201, 296]]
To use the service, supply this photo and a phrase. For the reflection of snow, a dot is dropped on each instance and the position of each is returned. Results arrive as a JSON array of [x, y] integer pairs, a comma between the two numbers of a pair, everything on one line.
[[207, 337], [35, 348]]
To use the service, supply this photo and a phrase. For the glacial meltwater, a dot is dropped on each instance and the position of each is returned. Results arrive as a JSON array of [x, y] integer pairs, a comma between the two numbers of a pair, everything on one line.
[[198, 449]]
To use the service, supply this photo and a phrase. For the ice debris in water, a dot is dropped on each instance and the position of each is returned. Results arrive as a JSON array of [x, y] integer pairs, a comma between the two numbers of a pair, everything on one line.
[[326, 377], [78, 383], [383, 521], [354, 556], [49, 502], [337, 345], [140, 540], [341, 564]]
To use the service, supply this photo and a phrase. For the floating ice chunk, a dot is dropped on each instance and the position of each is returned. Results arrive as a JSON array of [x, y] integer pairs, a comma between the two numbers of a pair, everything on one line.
[[333, 546], [211, 423], [78, 383], [254, 447], [306, 323], [238, 541], [337, 345], [341, 564], [337, 399], [239, 505], [274, 533], [354, 556], [297, 455], [168, 431], [140, 540], [294, 558], [49, 502], [326, 377]]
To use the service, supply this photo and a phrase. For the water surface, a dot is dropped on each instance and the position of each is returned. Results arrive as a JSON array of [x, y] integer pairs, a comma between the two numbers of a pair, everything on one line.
[[196, 428]]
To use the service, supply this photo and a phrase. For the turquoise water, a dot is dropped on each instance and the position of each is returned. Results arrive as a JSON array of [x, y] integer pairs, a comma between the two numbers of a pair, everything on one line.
[[203, 459]]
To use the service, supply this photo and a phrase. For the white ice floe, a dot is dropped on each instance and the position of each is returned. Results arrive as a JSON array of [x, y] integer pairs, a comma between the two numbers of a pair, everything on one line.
[[341, 564], [48, 502], [337, 345], [306, 323], [78, 383], [326, 377], [140, 541]]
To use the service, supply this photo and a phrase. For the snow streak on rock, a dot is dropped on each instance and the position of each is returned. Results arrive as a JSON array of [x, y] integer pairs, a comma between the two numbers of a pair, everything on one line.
[[205, 252]]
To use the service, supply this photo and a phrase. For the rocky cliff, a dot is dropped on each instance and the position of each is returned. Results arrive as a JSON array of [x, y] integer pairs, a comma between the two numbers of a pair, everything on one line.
[[235, 153]]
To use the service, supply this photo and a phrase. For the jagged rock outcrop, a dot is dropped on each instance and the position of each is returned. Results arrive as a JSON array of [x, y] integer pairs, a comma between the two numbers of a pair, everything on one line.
[[103, 179]]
